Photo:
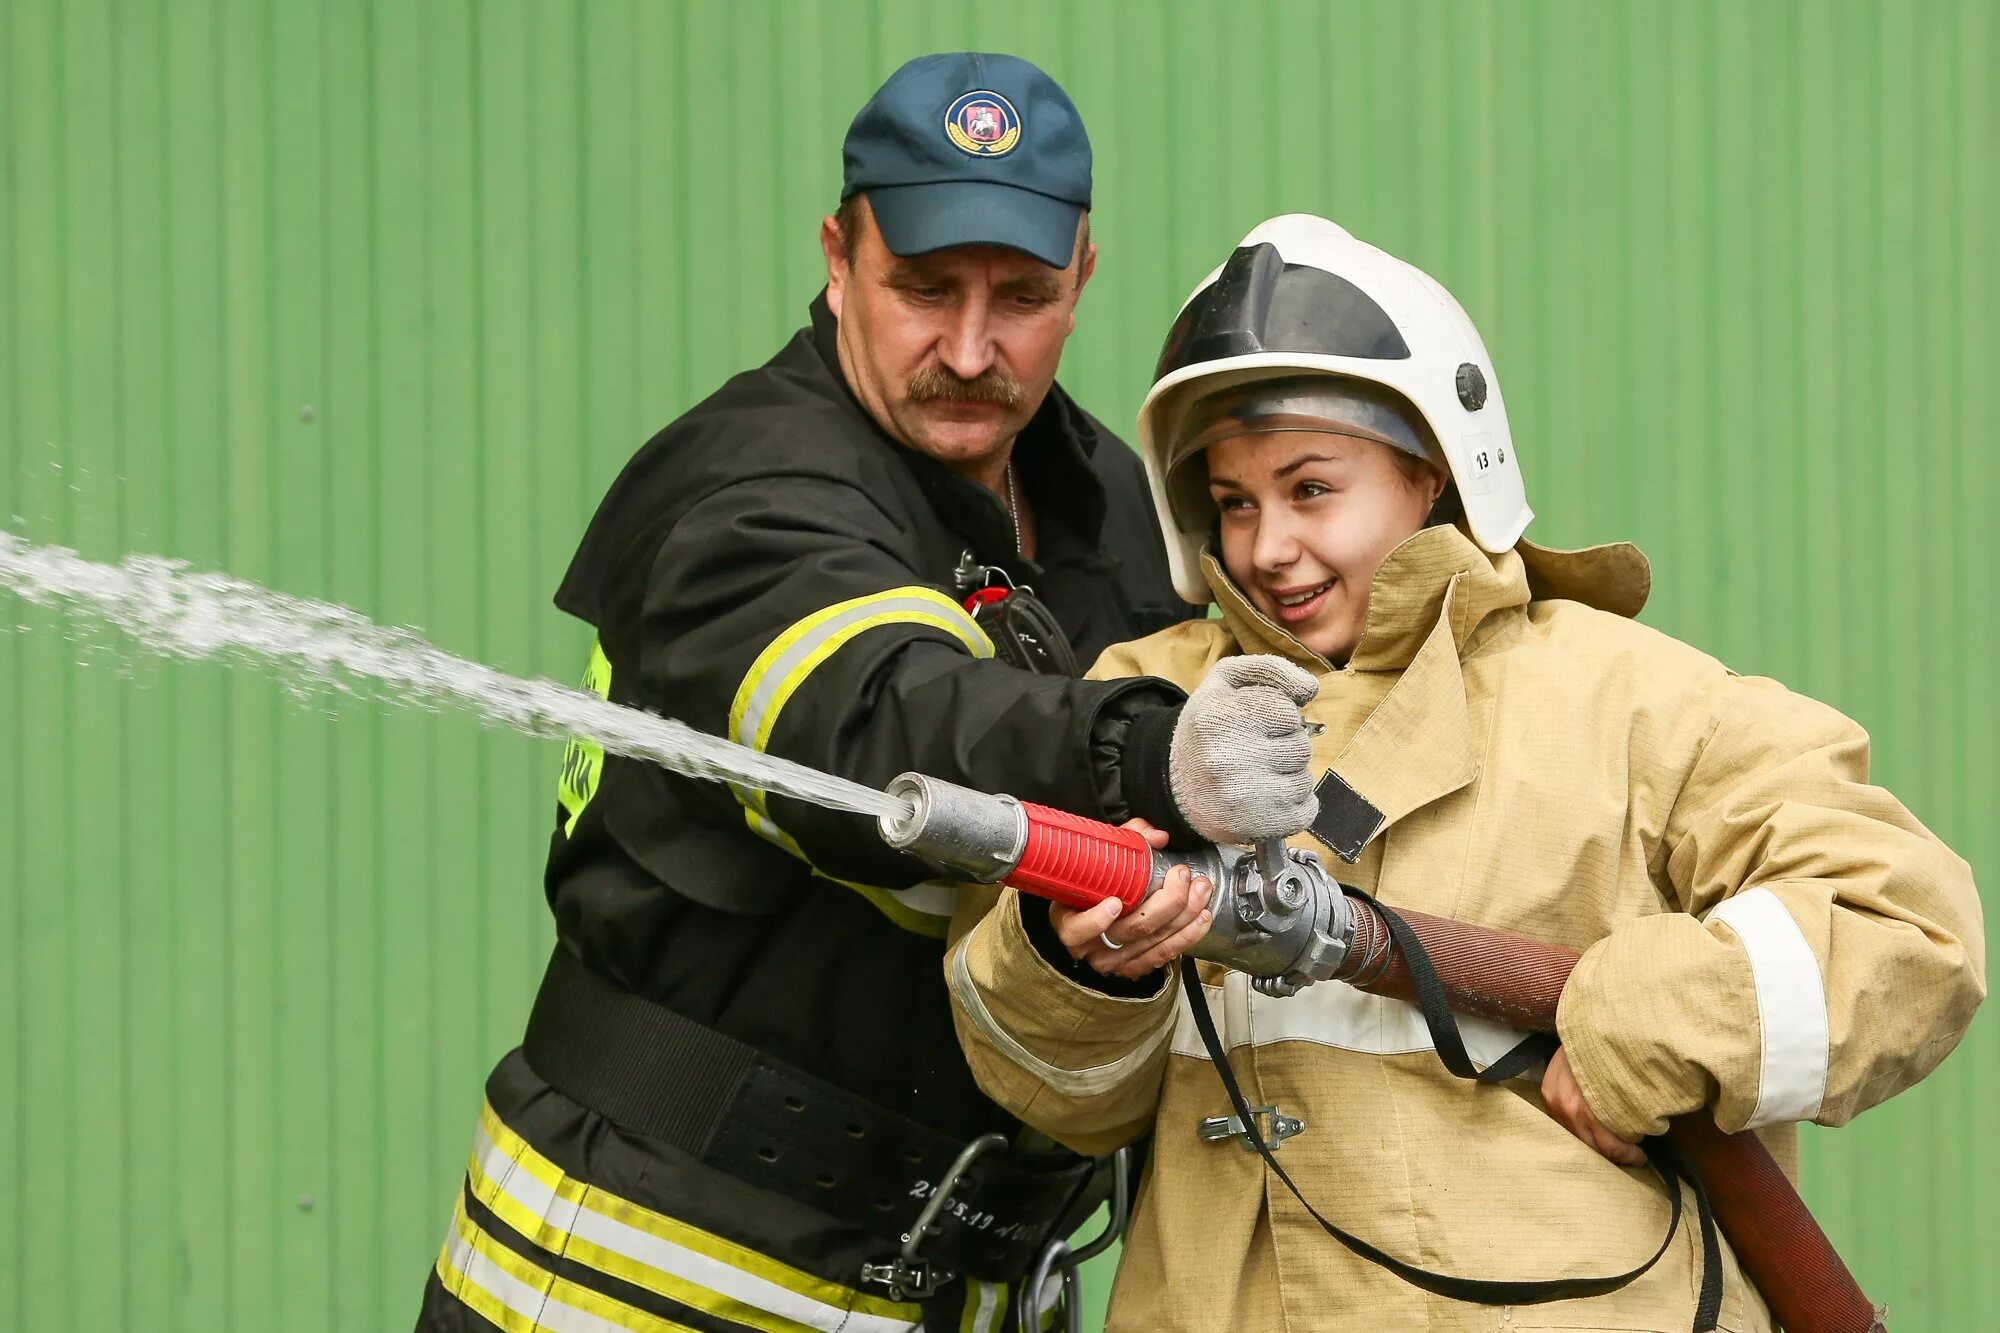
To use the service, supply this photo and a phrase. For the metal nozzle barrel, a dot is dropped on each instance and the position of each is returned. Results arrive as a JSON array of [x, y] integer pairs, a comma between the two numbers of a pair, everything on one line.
[[1049, 853], [968, 832]]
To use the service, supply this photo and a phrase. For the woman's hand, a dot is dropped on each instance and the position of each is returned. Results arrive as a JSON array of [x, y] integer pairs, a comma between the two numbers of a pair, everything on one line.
[[1565, 1102], [1165, 925]]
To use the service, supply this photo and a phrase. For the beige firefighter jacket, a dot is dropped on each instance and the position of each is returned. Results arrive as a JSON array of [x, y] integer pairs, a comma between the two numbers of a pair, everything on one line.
[[1763, 933]]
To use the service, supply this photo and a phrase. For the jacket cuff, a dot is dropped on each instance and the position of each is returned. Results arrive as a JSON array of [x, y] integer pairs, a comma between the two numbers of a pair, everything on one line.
[[1650, 1017], [1038, 1015], [1143, 774]]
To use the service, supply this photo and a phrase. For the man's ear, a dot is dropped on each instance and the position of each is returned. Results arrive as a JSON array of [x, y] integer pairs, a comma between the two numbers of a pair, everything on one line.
[[834, 246], [1087, 267]]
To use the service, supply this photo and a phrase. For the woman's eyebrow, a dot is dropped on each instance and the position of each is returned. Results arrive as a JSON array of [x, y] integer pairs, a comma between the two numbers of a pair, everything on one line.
[[1301, 461]]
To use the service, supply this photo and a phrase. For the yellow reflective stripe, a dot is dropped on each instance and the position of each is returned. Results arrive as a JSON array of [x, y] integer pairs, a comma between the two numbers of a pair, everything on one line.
[[583, 761], [790, 658], [552, 1228], [586, 1198], [523, 1297], [902, 906], [985, 1304], [783, 667], [595, 1208], [829, 632], [912, 919]]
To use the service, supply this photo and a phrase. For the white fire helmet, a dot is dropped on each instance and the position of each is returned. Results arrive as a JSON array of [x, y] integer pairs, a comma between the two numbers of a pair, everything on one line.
[[1302, 298]]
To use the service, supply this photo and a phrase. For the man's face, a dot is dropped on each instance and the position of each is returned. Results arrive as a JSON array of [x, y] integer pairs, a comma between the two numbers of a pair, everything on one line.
[[953, 351]]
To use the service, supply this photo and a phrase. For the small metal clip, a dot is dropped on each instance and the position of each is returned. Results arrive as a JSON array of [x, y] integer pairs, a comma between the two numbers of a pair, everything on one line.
[[904, 1278], [1217, 1128], [970, 576]]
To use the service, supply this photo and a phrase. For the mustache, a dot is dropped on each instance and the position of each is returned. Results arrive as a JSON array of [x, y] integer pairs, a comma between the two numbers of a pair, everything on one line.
[[934, 383]]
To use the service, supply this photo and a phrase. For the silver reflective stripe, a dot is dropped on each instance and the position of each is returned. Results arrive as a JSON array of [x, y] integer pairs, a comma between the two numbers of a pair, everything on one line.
[[1091, 1082], [989, 1303], [933, 897], [1791, 1007], [663, 1256], [1329, 1014]]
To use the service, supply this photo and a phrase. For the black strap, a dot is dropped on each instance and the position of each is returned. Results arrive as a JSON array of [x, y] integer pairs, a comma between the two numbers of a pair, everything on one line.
[[765, 1122], [1708, 1306], [1443, 1025], [1483, 1291], [1436, 1008], [1025, 633]]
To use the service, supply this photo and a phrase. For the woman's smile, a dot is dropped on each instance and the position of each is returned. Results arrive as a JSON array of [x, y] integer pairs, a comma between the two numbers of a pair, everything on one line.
[[1297, 606]]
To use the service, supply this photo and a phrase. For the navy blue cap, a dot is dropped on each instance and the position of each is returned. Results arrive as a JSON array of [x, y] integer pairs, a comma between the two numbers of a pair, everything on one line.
[[971, 149]]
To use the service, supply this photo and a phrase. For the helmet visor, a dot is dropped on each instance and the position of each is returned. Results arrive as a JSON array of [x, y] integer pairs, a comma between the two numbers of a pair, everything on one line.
[[1260, 303]]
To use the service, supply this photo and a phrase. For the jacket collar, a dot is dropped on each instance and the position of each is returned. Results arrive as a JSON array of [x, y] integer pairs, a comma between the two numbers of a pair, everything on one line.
[[1426, 604], [1406, 602]]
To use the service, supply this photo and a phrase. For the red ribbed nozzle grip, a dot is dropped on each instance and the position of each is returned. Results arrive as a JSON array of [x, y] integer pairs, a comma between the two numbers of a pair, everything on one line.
[[1080, 862]]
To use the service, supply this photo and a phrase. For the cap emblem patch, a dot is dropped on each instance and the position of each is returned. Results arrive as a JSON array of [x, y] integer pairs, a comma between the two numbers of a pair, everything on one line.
[[983, 123]]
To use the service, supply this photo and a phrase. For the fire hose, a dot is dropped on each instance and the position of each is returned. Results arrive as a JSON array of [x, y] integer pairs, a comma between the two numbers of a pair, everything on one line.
[[1280, 917]]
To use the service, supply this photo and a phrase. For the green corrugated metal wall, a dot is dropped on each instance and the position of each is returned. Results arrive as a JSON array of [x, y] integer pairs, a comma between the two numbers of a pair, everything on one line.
[[369, 301]]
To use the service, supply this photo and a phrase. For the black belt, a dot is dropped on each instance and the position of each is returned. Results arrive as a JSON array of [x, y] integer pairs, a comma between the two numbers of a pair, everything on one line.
[[768, 1124]]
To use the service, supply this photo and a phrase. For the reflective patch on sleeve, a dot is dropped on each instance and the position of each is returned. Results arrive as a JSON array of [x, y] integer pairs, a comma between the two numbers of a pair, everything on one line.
[[786, 664], [583, 761], [791, 657], [1791, 1007]]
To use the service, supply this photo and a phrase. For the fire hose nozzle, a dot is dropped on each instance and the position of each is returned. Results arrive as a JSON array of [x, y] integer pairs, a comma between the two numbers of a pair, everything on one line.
[[969, 832], [1278, 915], [1051, 853]]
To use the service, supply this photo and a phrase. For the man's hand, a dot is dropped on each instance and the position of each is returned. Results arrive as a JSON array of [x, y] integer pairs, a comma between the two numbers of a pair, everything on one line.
[[1168, 923], [1241, 761], [1565, 1102]]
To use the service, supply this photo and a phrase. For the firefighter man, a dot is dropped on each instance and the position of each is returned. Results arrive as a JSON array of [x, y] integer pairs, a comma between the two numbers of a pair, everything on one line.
[[739, 1085]]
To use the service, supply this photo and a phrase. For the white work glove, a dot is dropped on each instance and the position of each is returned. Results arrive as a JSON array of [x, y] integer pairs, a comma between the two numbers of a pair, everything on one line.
[[1241, 761]]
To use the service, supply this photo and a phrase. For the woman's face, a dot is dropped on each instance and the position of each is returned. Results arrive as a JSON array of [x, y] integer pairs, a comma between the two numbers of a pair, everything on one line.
[[1307, 519]]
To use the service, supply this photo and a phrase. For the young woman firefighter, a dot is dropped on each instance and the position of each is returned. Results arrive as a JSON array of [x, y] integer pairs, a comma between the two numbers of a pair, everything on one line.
[[1764, 934]]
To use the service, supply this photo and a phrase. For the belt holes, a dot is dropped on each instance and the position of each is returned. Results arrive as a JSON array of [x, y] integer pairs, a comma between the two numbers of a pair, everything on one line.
[[794, 1103], [767, 1152], [856, 1132], [913, 1157], [824, 1181], [883, 1205]]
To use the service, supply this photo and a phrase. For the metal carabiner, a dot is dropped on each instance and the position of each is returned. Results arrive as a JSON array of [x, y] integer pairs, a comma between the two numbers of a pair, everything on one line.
[[1057, 1255], [907, 1274]]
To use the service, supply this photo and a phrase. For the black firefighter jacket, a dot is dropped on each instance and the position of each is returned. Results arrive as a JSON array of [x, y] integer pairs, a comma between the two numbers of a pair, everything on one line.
[[772, 568]]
